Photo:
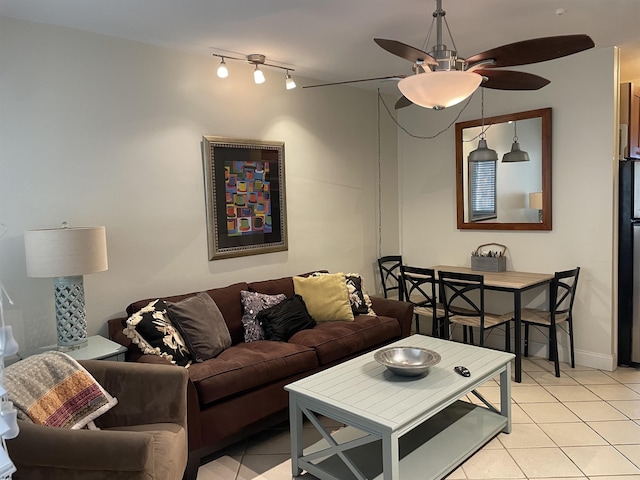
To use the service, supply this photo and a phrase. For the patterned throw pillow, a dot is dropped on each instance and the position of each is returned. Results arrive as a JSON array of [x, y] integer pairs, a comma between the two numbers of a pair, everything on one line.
[[253, 303], [360, 300], [151, 329]]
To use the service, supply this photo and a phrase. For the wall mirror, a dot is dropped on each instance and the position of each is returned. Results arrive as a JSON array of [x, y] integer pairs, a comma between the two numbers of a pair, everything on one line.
[[499, 195]]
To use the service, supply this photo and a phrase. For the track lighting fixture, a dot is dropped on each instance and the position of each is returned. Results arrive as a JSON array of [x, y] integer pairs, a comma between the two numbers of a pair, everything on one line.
[[258, 76], [257, 60], [222, 69], [288, 81]]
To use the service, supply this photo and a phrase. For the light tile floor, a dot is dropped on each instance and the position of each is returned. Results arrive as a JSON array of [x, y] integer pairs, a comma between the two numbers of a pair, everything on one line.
[[583, 425]]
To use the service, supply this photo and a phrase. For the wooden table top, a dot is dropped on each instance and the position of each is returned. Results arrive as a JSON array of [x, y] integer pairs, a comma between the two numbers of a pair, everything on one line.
[[509, 280]]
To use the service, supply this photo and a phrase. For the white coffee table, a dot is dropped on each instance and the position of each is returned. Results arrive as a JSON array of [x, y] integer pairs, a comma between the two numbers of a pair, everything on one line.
[[399, 427]]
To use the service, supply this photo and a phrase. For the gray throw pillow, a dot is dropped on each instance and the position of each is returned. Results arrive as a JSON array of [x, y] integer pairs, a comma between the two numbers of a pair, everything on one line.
[[201, 324]]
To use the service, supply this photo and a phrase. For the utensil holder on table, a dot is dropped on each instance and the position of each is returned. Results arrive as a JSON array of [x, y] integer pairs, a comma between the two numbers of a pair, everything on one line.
[[497, 262]]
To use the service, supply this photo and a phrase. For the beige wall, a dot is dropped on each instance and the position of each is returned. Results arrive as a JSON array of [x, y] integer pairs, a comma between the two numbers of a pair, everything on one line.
[[101, 131], [584, 176]]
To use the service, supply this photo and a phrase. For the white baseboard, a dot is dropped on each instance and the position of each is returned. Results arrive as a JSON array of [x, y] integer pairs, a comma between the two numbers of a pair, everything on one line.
[[583, 358]]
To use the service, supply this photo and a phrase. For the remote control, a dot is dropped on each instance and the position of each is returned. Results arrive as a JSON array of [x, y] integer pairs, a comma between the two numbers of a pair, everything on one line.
[[464, 371]]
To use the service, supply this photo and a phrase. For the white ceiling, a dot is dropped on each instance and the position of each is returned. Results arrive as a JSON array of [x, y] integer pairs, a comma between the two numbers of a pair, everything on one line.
[[332, 40]]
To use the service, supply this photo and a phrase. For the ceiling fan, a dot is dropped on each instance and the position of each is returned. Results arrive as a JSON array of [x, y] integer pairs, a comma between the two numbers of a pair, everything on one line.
[[441, 78]]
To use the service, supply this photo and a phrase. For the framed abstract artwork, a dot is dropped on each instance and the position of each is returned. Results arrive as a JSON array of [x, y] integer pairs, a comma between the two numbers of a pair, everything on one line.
[[245, 196]]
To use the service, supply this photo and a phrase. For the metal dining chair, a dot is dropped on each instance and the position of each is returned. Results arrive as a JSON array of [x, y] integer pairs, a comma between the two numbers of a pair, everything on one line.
[[561, 297], [419, 286], [390, 275], [462, 295]]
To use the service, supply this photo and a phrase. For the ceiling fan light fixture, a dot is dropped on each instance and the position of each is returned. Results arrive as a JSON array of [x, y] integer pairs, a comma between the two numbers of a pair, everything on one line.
[[439, 89]]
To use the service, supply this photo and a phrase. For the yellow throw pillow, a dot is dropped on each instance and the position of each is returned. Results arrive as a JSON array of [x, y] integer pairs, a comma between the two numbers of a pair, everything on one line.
[[326, 296]]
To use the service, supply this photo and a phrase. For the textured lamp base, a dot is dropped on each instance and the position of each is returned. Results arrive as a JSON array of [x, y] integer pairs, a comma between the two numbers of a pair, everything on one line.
[[71, 321]]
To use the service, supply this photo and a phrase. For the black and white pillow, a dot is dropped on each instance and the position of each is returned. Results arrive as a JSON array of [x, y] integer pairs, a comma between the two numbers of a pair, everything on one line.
[[253, 303], [151, 329]]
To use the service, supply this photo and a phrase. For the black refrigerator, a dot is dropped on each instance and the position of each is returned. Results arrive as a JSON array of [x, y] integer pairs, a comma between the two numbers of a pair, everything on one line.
[[629, 264]]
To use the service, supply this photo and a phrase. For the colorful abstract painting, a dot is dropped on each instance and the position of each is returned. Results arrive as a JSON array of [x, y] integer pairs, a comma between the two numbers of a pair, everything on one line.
[[246, 212]]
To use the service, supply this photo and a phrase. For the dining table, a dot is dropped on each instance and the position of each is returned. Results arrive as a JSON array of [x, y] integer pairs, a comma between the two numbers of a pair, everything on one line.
[[515, 283]]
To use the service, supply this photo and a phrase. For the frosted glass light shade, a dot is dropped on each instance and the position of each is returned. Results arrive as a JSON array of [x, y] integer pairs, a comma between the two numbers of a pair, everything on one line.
[[289, 82], [223, 72], [258, 76], [65, 252], [439, 90]]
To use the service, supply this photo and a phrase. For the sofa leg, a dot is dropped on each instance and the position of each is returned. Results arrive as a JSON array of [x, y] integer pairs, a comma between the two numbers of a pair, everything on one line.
[[193, 463]]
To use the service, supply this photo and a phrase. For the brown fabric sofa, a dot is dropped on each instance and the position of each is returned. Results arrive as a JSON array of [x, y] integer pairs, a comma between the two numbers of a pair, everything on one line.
[[241, 391], [144, 436]]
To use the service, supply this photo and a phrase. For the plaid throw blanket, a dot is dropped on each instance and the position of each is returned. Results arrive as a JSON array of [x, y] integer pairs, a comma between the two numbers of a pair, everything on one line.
[[55, 390]]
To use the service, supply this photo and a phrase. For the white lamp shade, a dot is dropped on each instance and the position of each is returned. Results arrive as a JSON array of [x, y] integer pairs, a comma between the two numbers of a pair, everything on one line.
[[65, 252], [439, 89], [535, 200]]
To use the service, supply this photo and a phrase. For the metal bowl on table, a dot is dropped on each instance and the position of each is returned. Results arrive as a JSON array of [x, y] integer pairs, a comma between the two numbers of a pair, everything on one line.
[[407, 361]]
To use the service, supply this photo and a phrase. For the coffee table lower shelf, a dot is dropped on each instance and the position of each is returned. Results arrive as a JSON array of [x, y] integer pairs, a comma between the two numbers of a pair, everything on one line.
[[429, 451]]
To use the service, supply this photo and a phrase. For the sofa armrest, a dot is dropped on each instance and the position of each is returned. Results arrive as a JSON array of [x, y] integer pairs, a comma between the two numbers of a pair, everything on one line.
[[40, 446], [146, 393], [401, 311]]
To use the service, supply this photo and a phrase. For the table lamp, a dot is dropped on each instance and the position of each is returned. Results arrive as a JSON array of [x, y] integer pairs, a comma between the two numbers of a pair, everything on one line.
[[535, 203], [66, 254]]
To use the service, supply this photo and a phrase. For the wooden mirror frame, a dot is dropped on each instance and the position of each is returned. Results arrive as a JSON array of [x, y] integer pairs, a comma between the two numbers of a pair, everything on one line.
[[545, 115]]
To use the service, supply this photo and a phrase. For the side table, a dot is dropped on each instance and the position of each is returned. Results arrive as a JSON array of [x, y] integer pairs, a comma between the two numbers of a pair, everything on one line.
[[97, 348]]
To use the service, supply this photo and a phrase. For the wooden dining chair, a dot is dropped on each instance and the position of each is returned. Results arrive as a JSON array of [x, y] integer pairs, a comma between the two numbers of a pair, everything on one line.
[[419, 285], [462, 295], [390, 275], [561, 297]]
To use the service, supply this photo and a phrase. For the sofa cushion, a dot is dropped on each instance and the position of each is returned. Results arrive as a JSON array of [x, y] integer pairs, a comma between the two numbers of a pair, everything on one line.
[[247, 366], [337, 340], [201, 324], [326, 296], [253, 303], [286, 318]]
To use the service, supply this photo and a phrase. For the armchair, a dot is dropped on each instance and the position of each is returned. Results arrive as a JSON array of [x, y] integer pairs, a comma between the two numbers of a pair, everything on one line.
[[144, 436]]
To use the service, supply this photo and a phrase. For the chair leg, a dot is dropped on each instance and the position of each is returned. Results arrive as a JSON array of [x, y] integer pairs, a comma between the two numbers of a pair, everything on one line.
[[573, 359], [526, 339], [507, 340], [417, 323], [471, 336], [553, 340]]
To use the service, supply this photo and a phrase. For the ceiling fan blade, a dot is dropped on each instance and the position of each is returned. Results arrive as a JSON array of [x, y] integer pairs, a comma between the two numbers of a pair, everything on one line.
[[511, 80], [533, 51], [403, 102], [405, 51], [356, 81]]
